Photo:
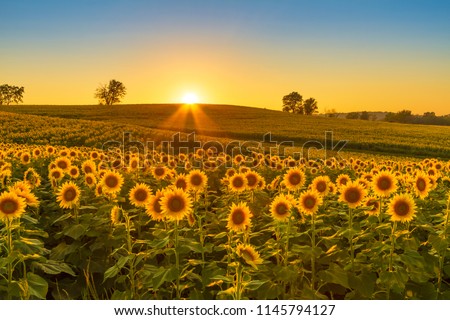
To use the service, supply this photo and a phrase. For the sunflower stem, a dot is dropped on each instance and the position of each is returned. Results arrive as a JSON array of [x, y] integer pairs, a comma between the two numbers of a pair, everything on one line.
[[350, 225], [394, 227], [130, 251], [277, 237], [202, 239], [229, 250], [442, 253], [313, 247], [177, 261], [10, 249], [238, 281], [286, 249], [380, 220]]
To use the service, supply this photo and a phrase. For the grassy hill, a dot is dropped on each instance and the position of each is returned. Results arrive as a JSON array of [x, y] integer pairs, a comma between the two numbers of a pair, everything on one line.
[[246, 123]]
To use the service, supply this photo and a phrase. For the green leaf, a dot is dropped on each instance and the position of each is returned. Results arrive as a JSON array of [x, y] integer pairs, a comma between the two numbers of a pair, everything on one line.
[[62, 218], [164, 275], [115, 269], [62, 250], [255, 284], [54, 267], [87, 208], [37, 286], [335, 274], [286, 273], [75, 231], [439, 244]]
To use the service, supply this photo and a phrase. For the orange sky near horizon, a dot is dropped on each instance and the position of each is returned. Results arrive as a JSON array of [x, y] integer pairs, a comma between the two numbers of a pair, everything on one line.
[[249, 60]]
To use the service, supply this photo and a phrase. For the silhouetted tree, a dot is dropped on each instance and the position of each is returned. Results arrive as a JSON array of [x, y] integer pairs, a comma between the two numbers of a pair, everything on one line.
[[11, 94], [111, 93], [293, 102], [352, 115], [310, 106], [364, 115], [331, 113]]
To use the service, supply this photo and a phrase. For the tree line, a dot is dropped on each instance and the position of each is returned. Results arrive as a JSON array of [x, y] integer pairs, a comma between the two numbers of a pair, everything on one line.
[[406, 116]]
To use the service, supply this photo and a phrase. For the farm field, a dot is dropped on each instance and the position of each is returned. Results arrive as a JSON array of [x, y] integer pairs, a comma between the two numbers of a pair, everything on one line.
[[78, 222], [246, 123]]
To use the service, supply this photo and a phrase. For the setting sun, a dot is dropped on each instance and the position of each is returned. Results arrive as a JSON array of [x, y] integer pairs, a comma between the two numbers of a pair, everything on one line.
[[190, 98]]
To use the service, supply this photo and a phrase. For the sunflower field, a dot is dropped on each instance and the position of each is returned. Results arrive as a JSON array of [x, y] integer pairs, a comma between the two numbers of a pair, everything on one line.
[[81, 223]]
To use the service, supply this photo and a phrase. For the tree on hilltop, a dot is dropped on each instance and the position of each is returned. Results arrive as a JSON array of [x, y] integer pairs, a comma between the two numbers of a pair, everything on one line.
[[111, 93], [310, 106], [11, 94], [293, 102]]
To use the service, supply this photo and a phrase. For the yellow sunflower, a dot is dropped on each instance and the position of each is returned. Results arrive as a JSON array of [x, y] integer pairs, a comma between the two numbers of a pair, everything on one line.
[[112, 182], [374, 206], [50, 150], [11, 206], [90, 180], [352, 194], [115, 215], [384, 183], [94, 155], [252, 179], [309, 202], [99, 189], [321, 185], [56, 174], [197, 180], [134, 164], [88, 166], [176, 204], [30, 199], [25, 158], [280, 208], [37, 152], [342, 180], [238, 183], [421, 184], [294, 179], [159, 172], [402, 208], [181, 182], [63, 163], [239, 217], [74, 172], [140, 195], [249, 254], [68, 195], [153, 207], [332, 188], [238, 159], [32, 178]]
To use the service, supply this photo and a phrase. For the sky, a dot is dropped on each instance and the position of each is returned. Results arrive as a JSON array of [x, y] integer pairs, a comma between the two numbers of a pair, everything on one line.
[[349, 55]]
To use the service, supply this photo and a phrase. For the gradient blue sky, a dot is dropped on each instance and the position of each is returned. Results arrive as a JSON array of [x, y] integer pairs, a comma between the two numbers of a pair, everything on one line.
[[349, 55]]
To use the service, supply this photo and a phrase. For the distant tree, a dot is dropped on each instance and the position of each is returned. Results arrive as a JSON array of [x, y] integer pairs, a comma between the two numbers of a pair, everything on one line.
[[11, 94], [310, 106], [429, 115], [353, 115], [364, 115], [331, 113], [111, 93], [293, 102]]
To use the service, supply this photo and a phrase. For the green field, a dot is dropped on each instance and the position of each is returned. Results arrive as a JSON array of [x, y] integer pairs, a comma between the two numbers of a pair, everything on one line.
[[246, 123]]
